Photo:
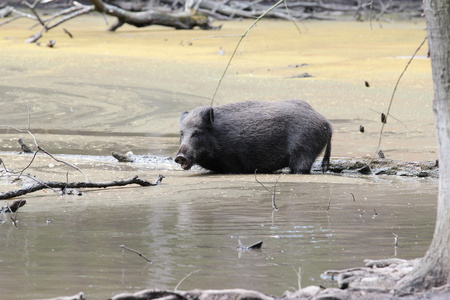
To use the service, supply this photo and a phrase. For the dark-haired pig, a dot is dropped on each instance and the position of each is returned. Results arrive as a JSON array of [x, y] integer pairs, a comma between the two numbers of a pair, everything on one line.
[[254, 136]]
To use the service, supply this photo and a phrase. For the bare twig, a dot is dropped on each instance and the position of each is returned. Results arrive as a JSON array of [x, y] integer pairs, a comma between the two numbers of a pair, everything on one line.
[[32, 8], [237, 46], [29, 164], [39, 148], [135, 251], [273, 193], [15, 209], [184, 278], [329, 200], [395, 89], [392, 117], [63, 162], [299, 277], [395, 239]]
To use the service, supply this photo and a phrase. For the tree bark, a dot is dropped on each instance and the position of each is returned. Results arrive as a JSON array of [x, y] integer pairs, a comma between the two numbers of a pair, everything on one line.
[[434, 269]]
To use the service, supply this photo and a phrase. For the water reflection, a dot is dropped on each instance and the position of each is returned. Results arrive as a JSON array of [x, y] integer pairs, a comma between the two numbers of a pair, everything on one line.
[[196, 226]]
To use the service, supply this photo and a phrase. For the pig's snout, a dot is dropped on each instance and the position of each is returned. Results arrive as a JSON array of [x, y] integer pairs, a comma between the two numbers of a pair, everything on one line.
[[180, 159], [183, 161]]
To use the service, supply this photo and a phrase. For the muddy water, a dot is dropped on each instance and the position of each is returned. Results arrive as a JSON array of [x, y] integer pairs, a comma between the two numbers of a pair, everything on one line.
[[123, 91]]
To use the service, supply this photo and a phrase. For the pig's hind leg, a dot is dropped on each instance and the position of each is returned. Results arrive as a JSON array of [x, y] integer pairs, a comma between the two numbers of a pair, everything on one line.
[[301, 163]]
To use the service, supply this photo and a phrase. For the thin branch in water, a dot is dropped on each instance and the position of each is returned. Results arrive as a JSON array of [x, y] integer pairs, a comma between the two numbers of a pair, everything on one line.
[[395, 89], [134, 251], [15, 210], [353, 196], [29, 164], [273, 193], [299, 277], [375, 214], [36, 143], [184, 278], [64, 162], [395, 239], [329, 201]]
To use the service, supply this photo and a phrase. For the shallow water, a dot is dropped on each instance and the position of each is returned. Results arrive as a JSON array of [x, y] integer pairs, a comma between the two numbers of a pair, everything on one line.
[[192, 223], [102, 92]]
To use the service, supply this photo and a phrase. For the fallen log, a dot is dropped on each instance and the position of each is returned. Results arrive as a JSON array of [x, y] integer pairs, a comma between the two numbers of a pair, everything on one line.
[[176, 19], [307, 293], [72, 185], [231, 294]]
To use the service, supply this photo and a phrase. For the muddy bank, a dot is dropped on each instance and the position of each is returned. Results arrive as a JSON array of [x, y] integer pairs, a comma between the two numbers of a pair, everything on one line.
[[344, 166]]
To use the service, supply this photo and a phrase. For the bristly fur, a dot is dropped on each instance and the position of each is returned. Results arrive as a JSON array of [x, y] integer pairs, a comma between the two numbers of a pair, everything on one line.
[[248, 136]]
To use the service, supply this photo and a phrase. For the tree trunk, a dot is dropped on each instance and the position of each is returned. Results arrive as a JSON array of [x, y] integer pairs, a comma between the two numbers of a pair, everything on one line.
[[434, 269], [178, 19]]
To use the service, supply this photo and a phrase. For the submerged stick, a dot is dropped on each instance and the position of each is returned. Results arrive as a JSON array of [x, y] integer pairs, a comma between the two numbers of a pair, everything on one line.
[[299, 276], [329, 200], [274, 206], [184, 278], [135, 251], [395, 239]]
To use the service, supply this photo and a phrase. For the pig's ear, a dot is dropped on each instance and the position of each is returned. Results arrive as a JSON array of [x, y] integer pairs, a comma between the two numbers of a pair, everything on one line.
[[208, 116], [183, 115]]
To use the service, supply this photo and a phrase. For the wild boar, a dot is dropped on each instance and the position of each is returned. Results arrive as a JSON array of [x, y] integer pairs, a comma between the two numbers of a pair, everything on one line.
[[254, 136]]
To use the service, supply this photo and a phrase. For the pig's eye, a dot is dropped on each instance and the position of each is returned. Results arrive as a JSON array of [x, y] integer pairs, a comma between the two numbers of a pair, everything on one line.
[[197, 133]]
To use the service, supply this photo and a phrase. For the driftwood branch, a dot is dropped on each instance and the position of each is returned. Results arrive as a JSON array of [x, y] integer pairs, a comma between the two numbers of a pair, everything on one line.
[[65, 185], [176, 19]]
